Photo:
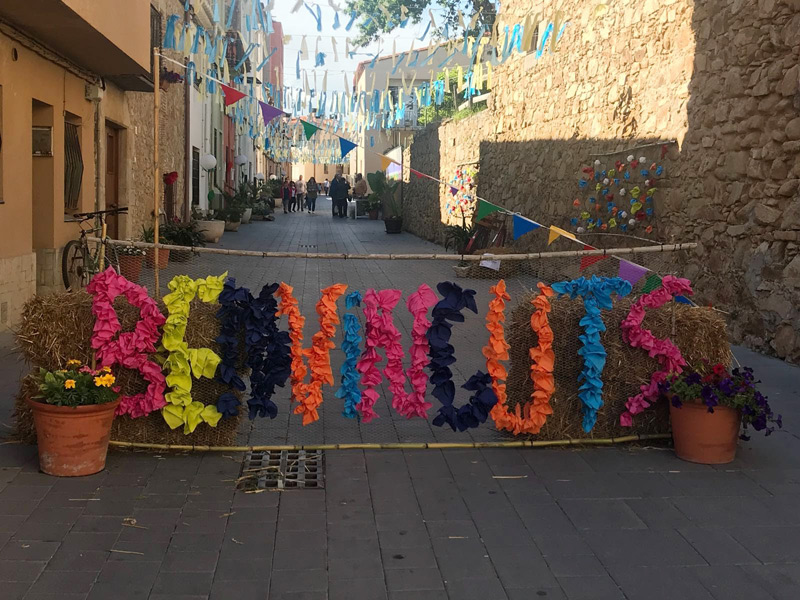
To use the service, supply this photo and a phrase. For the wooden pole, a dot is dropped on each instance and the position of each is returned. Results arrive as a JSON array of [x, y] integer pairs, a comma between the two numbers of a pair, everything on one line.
[[156, 196]]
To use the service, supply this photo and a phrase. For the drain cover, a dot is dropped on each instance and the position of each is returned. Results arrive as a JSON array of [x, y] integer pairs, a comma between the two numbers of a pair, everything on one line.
[[308, 245], [282, 469]]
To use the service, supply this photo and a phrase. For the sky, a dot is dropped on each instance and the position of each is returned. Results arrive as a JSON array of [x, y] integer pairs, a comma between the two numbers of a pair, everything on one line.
[[302, 23]]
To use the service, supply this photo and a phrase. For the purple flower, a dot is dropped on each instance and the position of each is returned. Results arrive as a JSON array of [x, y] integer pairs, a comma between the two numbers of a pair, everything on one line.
[[726, 387], [676, 401], [693, 379]]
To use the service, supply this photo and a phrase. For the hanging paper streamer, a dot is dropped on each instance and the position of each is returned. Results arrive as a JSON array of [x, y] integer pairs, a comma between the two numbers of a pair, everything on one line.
[[128, 349], [319, 360], [596, 294], [288, 306], [418, 304], [668, 354], [348, 390], [446, 312], [184, 362]]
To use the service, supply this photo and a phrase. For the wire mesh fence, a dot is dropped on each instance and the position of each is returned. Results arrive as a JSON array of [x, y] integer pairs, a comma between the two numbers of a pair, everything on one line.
[[264, 253]]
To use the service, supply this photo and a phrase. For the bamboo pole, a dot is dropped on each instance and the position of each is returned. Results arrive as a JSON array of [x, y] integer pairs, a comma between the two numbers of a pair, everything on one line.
[[400, 445], [444, 257], [156, 196]]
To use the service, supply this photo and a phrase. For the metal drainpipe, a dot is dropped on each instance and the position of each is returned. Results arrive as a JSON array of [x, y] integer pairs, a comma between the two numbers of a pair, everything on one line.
[[97, 165], [187, 147]]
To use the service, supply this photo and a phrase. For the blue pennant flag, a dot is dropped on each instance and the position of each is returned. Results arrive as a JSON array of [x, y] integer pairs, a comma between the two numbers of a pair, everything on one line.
[[345, 146], [523, 226]]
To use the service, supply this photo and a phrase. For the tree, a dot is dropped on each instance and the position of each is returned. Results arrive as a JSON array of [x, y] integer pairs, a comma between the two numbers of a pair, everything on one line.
[[378, 22]]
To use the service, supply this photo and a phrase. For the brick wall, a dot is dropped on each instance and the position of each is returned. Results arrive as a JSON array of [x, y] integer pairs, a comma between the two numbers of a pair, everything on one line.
[[719, 78]]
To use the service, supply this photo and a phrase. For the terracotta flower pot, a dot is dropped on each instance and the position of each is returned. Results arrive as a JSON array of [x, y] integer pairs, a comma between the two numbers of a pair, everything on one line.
[[73, 441], [130, 267], [163, 258], [373, 215], [703, 437]]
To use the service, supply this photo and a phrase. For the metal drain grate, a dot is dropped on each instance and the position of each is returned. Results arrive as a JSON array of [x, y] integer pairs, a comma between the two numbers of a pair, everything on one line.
[[282, 469], [308, 245]]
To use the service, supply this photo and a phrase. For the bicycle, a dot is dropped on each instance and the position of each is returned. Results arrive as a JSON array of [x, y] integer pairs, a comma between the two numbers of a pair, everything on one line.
[[79, 261]]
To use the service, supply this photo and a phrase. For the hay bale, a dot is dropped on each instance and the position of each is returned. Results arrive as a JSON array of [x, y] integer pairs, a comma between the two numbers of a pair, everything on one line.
[[699, 333], [508, 268], [58, 327]]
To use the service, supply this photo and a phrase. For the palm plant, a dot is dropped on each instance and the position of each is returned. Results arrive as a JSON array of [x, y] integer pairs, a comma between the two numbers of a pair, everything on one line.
[[458, 237], [384, 190]]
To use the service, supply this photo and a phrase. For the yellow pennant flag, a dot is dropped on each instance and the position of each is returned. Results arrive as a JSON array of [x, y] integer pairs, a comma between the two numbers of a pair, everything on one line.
[[385, 162], [556, 232]]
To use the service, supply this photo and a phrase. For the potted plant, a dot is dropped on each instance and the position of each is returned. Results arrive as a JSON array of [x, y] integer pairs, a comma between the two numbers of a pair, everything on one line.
[[384, 191], [263, 212], [130, 261], [177, 233], [72, 414], [208, 226], [148, 235], [373, 206], [232, 215], [458, 237], [245, 198], [167, 77], [709, 406]]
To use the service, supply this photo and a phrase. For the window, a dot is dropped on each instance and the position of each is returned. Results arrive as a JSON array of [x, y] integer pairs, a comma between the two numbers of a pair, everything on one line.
[[42, 141], [156, 36], [195, 176], [73, 166], [325, 169]]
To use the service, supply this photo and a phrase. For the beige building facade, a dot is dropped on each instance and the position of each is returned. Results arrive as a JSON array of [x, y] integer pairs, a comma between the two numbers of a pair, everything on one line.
[[66, 129]]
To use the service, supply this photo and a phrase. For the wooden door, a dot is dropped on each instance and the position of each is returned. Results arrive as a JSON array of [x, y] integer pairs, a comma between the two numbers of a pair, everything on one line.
[[112, 179]]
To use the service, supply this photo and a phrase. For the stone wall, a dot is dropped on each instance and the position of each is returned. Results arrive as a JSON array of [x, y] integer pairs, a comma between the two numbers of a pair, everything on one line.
[[714, 83], [171, 147]]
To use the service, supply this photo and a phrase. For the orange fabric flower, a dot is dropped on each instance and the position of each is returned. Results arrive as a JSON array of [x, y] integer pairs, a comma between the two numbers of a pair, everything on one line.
[[532, 416], [497, 347], [319, 358], [288, 307]]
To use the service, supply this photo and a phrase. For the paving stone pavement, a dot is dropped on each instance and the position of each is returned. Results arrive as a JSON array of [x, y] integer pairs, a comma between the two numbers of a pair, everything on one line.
[[579, 524]]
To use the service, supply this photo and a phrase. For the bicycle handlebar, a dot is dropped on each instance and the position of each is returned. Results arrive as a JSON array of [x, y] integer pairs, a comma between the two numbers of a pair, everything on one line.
[[111, 211]]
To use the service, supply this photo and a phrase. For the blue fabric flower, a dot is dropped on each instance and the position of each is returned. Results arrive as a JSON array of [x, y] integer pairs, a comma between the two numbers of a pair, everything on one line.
[[230, 317], [583, 183], [446, 312], [659, 170], [349, 390], [627, 175], [596, 294]]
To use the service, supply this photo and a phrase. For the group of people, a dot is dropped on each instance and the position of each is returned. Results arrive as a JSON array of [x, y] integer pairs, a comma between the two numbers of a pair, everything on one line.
[[302, 195]]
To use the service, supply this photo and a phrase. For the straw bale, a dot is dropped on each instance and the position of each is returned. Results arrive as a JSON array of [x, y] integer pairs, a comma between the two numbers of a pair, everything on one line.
[[508, 268], [58, 327], [699, 333]]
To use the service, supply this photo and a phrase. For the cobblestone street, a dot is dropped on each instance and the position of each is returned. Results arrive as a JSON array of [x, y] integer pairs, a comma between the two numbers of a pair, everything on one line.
[[625, 522]]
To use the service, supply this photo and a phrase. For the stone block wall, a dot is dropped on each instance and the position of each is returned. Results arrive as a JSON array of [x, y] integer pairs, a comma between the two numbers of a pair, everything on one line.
[[715, 83], [17, 285]]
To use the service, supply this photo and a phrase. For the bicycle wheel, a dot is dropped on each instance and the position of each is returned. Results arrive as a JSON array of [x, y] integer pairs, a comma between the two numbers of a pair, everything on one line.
[[74, 266]]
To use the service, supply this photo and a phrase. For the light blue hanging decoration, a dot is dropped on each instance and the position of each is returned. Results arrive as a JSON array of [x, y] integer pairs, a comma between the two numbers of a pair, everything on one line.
[[200, 31], [424, 33], [319, 61], [169, 33], [353, 17], [230, 15], [316, 15], [336, 23], [545, 37], [216, 12]]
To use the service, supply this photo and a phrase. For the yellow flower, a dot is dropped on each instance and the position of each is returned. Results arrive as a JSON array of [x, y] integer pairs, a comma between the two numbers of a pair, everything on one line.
[[73, 363], [106, 369], [69, 384], [61, 371], [105, 380]]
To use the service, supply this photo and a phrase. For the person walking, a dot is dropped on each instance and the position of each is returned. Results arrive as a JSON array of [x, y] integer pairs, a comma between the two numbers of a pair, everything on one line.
[[286, 194], [311, 194], [293, 192], [301, 194], [327, 186]]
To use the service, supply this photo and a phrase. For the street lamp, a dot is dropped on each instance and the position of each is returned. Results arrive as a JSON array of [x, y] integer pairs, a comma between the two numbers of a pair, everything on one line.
[[208, 162]]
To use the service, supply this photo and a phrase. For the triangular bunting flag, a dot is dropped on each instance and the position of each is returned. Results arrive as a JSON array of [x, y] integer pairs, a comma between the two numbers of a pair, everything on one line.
[[682, 300], [231, 95], [631, 272], [587, 261], [269, 112], [523, 226], [417, 173], [385, 162], [344, 145], [453, 190], [310, 129], [484, 209], [557, 231], [653, 282]]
